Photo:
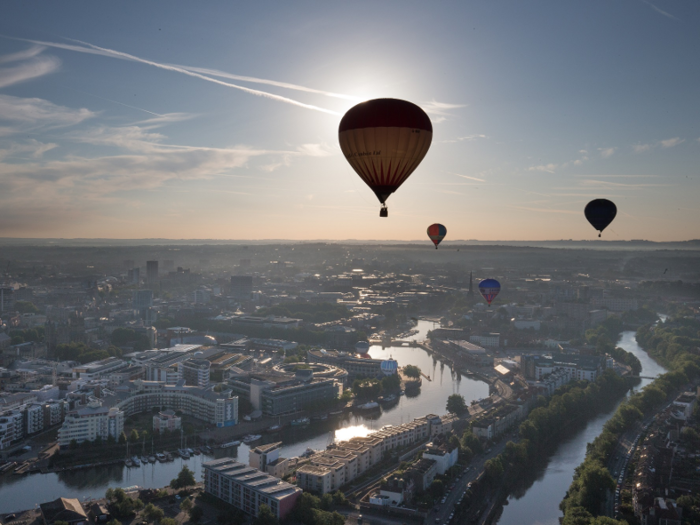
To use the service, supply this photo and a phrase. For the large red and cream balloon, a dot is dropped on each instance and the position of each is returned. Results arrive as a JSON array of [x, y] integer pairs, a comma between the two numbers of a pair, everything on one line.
[[384, 140]]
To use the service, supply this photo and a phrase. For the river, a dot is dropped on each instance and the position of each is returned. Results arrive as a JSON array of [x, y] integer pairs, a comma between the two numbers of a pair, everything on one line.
[[25, 492], [540, 503]]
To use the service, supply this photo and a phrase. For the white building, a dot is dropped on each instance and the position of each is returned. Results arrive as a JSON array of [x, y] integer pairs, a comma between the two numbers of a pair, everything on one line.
[[98, 369], [443, 457], [90, 422], [33, 418], [491, 340], [166, 420], [11, 427]]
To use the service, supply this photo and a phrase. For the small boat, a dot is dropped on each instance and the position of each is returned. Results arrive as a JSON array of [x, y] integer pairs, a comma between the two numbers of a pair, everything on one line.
[[372, 405], [308, 452], [250, 438], [161, 457], [336, 413], [184, 453], [151, 459], [300, 422], [135, 461], [231, 444], [129, 463], [206, 449], [190, 451], [320, 418], [144, 459], [388, 399], [169, 456], [273, 429], [196, 451]]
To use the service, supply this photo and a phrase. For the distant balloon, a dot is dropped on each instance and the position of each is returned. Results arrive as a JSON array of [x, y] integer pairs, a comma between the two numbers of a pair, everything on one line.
[[600, 213], [437, 233], [489, 289], [384, 140]]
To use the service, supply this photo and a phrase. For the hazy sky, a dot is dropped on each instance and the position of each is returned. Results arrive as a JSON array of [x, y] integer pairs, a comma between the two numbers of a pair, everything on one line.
[[220, 120]]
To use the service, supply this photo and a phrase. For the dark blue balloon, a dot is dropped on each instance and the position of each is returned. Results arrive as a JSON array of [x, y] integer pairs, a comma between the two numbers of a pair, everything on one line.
[[600, 213]]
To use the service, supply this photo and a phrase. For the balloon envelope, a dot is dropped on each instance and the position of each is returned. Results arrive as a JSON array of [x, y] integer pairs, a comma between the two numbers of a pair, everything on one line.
[[489, 289], [437, 233], [600, 213], [384, 140]]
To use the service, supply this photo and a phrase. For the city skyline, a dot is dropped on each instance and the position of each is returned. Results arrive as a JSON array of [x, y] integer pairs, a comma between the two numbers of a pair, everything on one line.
[[181, 122]]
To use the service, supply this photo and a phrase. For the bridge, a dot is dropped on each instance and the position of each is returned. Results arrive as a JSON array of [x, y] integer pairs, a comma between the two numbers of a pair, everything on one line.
[[642, 377]]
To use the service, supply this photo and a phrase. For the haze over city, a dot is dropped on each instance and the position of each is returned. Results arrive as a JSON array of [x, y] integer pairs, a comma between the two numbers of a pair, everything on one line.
[[176, 120]]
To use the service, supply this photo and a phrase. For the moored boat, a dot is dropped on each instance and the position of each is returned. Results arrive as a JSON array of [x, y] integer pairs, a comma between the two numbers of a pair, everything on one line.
[[300, 422], [230, 444], [250, 438]]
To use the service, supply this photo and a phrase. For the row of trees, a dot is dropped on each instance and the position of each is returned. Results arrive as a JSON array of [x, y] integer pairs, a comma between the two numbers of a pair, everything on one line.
[[372, 388], [671, 344]]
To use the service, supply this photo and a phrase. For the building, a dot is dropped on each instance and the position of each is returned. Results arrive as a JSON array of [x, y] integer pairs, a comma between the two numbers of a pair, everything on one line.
[[11, 427], [63, 509], [316, 478], [195, 372], [276, 396], [151, 272], [241, 286], [267, 458], [166, 421], [98, 369], [142, 300], [90, 422], [537, 367], [423, 473], [247, 488], [491, 340], [443, 455], [214, 405]]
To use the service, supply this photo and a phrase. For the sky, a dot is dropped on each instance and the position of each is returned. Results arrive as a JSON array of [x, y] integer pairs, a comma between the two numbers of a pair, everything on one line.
[[219, 120]]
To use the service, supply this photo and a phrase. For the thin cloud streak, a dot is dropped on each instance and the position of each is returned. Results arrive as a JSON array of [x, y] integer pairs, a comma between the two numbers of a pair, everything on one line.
[[660, 11], [22, 55], [111, 53], [286, 85], [36, 67], [468, 177]]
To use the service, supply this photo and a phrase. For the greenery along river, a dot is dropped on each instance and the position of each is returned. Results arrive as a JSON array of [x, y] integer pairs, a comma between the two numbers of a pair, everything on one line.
[[537, 500]]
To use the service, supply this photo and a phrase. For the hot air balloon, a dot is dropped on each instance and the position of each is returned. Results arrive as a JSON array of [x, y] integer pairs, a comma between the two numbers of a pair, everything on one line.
[[600, 213], [489, 289], [437, 233], [384, 140]]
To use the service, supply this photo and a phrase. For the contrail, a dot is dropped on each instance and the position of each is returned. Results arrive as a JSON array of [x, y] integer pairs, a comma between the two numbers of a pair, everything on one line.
[[223, 74], [96, 50]]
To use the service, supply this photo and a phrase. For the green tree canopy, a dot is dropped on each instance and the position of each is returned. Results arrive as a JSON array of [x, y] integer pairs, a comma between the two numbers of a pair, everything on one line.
[[411, 371], [184, 479], [456, 404]]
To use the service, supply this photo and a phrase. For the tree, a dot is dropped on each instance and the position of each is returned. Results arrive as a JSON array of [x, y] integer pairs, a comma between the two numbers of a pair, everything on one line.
[[114, 522], [134, 436], [265, 516], [168, 521], [184, 479], [153, 513], [122, 438], [411, 371], [456, 404], [186, 505], [196, 513], [26, 307], [436, 488]]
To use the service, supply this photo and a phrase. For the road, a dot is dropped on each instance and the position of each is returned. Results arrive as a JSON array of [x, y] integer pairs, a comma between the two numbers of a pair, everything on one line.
[[442, 511]]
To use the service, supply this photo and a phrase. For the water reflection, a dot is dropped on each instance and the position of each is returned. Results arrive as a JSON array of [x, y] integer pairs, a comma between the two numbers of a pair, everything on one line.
[[537, 498], [347, 433]]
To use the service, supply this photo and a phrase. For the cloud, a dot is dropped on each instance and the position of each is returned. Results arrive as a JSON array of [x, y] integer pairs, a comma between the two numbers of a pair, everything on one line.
[[669, 143], [641, 148], [466, 138], [96, 50], [33, 147], [667, 15], [468, 177], [609, 184], [606, 153], [549, 168], [22, 55], [34, 68], [255, 80], [315, 150], [31, 114], [440, 108]]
